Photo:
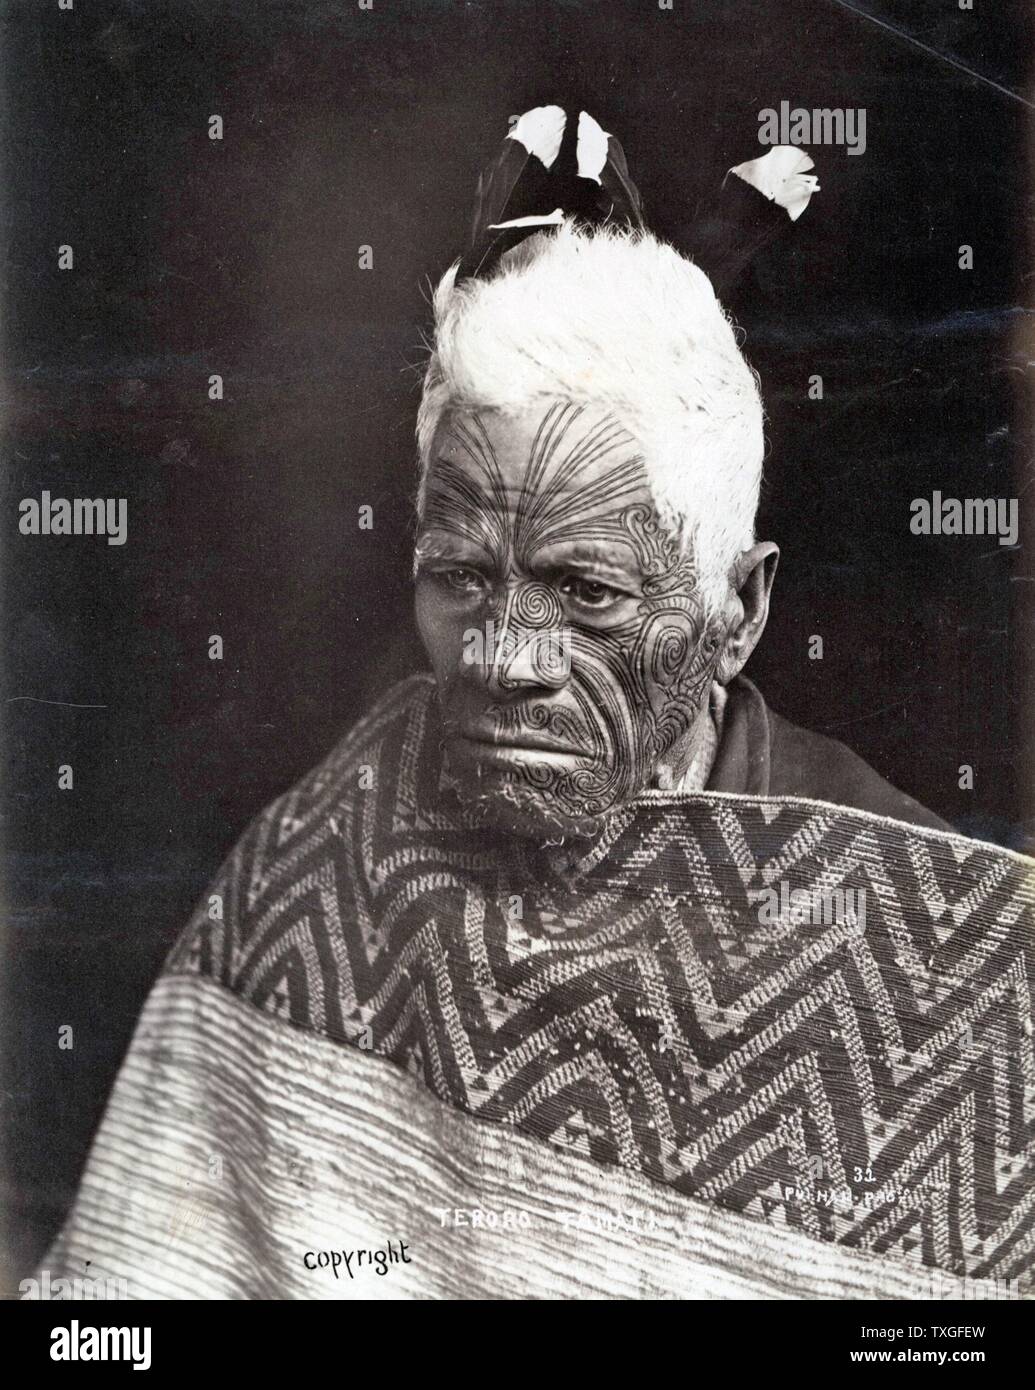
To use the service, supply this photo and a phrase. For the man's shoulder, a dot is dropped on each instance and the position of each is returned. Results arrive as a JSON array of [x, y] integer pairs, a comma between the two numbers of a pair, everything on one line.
[[381, 756], [402, 711], [812, 765], [288, 851]]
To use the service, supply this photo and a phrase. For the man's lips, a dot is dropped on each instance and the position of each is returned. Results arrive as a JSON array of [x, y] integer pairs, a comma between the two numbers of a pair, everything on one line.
[[486, 742]]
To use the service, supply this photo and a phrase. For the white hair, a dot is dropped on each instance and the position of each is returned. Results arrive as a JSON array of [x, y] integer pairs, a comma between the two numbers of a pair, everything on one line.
[[619, 319]]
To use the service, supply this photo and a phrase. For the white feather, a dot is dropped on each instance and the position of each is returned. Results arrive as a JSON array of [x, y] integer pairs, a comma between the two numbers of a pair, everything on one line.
[[591, 147], [781, 176], [541, 131], [554, 219]]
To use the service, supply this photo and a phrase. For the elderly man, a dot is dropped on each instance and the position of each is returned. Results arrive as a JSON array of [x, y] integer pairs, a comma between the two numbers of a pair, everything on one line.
[[574, 969], [591, 453]]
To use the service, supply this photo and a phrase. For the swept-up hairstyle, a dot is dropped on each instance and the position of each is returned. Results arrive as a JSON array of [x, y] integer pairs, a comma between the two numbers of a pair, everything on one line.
[[593, 308], [615, 317]]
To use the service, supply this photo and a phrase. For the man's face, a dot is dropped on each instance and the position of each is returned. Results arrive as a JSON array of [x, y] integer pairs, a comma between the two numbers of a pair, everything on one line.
[[567, 637]]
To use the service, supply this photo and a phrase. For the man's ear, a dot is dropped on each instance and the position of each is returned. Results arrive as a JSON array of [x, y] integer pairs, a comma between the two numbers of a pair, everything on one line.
[[751, 583]]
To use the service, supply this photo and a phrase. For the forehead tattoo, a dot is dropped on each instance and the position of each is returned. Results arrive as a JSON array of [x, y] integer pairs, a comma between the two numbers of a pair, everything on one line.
[[636, 685], [569, 479]]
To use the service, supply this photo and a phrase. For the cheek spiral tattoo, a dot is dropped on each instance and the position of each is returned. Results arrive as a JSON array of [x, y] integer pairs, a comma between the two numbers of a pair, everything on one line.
[[627, 690]]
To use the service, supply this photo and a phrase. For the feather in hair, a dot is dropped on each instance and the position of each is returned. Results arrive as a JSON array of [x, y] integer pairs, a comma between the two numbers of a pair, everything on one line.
[[588, 178], [753, 205], [538, 133]]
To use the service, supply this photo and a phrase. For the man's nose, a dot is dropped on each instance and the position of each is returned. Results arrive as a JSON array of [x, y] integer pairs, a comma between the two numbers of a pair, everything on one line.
[[527, 645]]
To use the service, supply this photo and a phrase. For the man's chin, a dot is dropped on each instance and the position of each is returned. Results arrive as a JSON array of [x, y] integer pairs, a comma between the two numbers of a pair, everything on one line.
[[504, 800]]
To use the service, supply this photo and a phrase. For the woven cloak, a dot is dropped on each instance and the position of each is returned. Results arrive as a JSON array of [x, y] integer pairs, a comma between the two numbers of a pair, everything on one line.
[[556, 1077]]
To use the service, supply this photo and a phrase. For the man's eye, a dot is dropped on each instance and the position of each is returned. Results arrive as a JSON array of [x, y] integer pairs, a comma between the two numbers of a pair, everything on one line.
[[590, 593], [463, 580]]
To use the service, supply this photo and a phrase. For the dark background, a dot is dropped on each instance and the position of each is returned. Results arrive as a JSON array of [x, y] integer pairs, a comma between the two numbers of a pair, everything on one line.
[[344, 128]]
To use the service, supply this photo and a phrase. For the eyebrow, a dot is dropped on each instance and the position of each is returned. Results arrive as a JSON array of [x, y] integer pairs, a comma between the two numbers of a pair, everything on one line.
[[614, 558], [614, 555], [435, 541]]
